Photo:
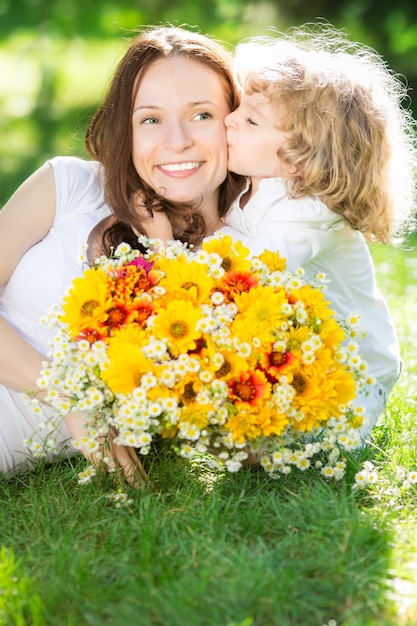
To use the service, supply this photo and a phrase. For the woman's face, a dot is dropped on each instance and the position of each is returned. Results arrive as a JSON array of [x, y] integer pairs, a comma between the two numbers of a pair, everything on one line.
[[179, 137]]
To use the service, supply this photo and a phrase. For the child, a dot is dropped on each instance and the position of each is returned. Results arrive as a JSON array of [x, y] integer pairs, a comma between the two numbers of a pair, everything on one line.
[[330, 157]]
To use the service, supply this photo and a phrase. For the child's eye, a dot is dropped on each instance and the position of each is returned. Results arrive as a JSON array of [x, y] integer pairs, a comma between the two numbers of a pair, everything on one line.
[[251, 122], [203, 116]]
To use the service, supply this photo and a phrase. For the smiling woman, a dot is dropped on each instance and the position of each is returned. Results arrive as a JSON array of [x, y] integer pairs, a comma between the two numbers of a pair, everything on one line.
[[159, 135], [170, 141], [179, 141]]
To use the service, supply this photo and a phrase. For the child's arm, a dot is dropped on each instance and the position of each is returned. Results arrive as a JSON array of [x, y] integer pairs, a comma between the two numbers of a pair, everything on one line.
[[298, 229], [153, 224], [156, 225]]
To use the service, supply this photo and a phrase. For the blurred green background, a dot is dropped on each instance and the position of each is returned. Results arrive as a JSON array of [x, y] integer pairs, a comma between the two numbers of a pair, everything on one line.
[[56, 57]]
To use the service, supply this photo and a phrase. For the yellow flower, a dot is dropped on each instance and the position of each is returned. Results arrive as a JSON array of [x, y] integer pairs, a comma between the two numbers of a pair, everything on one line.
[[187, 280], [273, 261], [195, 414], [232, 365], [177, 323], [235, 257], [296, 337], [247, 333], [331, 333], [169, 431], [223, 363], [314, 301], [159, 391], [86, 304], [340, 387], [188, 387], [249, 423], [260, 314], [127, 361], [321, 390], [356, 421]]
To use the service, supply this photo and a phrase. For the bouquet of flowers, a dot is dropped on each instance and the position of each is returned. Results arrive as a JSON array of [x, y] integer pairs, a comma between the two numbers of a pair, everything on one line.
[[213, 350]]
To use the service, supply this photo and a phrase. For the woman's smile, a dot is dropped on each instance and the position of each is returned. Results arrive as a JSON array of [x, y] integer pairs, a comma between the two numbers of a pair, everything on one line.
[[182, 170]]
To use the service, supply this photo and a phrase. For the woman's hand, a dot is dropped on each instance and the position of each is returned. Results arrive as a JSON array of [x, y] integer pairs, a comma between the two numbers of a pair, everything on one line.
[[119, 457]]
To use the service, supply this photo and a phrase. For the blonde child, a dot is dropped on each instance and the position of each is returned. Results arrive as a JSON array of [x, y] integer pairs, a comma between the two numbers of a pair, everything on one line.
[[330, 157]]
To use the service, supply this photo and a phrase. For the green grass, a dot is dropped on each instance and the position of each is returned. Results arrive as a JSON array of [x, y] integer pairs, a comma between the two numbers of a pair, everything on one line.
[[207, 548]]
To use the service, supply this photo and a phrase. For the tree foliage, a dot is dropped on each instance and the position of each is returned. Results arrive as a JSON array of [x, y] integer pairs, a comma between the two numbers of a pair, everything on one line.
[[53, 53]]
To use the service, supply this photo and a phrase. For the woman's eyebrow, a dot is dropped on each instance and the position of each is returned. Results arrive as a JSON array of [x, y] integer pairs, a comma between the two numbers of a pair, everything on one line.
[[155, 107], [200, 102], [151, 107]]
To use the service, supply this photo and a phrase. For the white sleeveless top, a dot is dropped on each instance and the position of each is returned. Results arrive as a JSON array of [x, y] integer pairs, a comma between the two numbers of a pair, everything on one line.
[[40, 280]]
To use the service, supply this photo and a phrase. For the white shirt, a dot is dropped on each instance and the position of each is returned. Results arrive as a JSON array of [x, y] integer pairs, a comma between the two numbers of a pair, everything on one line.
[[308, 234], [40, 280]]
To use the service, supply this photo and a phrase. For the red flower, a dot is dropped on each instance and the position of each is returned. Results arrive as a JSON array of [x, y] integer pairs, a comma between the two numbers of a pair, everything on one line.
[[141, 311], [90, 335], [131, 280], [142, 263], [117, 316], [250, 387], [275, 362], [236, 282]]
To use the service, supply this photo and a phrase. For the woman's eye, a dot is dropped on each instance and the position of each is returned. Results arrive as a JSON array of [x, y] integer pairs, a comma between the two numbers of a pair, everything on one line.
[[149, 120], [203, 116]]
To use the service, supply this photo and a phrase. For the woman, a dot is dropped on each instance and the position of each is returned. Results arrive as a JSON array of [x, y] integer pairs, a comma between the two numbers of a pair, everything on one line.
[[160, 132]]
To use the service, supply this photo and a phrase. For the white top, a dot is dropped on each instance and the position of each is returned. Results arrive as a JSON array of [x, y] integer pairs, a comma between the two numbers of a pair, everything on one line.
[[310, 235], [40, 280]]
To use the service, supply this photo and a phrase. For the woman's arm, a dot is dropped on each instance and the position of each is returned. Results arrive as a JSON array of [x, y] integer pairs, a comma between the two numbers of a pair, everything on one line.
[[26, 218], [20, 364], [24, 221]]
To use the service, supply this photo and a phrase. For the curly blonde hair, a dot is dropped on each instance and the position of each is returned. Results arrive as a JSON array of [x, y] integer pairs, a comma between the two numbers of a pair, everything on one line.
[[352, 141]]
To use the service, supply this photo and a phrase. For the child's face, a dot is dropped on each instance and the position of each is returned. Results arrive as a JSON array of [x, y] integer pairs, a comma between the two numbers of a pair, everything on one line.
[[253, 138]]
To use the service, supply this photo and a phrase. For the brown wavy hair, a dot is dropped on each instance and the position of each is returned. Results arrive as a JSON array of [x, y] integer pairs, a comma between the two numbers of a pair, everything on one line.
[[109, 135], [352, 141]]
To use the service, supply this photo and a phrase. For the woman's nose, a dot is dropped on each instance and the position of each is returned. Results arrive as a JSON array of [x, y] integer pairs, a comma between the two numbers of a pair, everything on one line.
[[178, 136]]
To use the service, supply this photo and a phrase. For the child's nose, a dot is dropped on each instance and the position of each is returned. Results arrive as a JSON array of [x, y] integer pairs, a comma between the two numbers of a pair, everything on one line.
[[228, 120]]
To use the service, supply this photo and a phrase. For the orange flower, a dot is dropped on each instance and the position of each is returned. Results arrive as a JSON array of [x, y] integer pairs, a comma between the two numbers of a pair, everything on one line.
[[235, 283], [250, 388], [275, 362]]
